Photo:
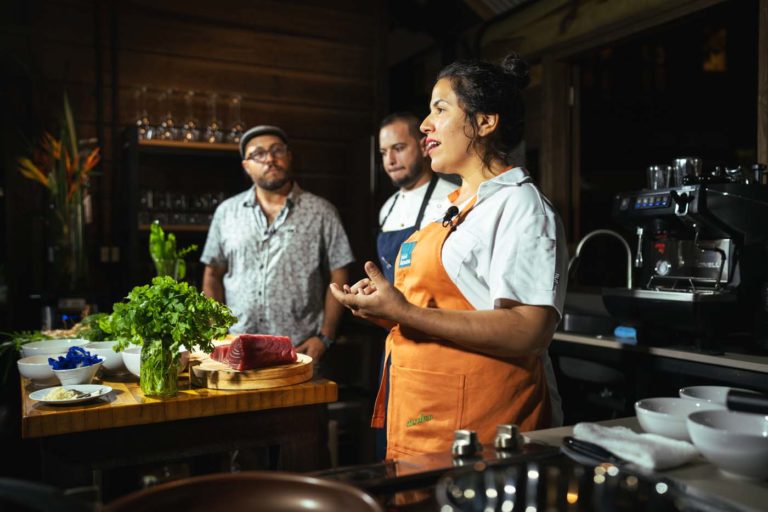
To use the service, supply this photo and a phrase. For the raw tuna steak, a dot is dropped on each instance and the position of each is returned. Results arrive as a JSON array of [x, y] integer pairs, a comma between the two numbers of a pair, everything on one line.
[[249, 351], [220, 352]]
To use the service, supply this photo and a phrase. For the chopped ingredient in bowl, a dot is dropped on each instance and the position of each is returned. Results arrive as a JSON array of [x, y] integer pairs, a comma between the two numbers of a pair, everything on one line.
[[61, 394]]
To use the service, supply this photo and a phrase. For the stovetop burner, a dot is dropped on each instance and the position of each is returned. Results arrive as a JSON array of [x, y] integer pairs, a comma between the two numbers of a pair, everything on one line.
[[535, 478]]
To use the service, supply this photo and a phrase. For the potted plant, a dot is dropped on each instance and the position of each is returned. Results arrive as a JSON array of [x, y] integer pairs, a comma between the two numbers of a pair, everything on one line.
[[162, 317], [167, 259], [63, 166]]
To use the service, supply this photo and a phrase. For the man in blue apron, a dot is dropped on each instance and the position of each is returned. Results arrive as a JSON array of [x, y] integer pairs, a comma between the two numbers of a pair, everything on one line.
[[422, 195], [421, 198]]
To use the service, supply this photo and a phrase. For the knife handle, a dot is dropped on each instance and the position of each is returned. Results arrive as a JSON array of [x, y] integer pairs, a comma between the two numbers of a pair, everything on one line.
[[745, 401]]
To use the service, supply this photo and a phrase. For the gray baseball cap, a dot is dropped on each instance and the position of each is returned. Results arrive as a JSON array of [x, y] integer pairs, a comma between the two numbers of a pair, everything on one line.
[[262, 129]]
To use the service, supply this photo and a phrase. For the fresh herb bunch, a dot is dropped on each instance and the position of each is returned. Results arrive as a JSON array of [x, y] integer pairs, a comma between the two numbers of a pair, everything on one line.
[[172, 312], [167, 258], [91, 330], [75, 358]]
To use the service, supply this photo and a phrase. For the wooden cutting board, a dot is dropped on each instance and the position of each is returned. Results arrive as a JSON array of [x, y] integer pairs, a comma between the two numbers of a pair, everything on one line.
[[207, 373]]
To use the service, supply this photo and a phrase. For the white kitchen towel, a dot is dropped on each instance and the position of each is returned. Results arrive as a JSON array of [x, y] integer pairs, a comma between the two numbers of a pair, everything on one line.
[[648, 450]]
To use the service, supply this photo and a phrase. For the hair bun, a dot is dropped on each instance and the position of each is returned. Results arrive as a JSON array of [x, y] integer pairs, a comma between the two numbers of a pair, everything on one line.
[[517, 69]]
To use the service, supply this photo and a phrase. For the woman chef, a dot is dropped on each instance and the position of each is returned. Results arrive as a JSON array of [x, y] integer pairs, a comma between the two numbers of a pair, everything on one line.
[[476, 297]]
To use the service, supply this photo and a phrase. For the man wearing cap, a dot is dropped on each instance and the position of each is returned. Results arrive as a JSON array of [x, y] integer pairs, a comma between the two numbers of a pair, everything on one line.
[[272, 250]]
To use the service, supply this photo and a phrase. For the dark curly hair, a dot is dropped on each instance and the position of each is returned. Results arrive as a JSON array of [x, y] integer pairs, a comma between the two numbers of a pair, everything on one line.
[[485, 88]]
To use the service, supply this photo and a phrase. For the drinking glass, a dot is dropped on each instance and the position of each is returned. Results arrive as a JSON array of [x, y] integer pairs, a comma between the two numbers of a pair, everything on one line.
[[167, 127], [213, 132], [658, 177], [146, 130], [237, 126], [189, 130], [686, 166]]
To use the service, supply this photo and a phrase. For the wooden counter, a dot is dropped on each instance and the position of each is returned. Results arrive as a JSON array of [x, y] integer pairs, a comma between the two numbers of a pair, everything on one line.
[[127, 406], [113, 443], [698, 478]]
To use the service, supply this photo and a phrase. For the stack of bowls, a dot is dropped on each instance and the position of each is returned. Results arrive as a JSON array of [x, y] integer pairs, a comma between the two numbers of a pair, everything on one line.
[[735, 442]]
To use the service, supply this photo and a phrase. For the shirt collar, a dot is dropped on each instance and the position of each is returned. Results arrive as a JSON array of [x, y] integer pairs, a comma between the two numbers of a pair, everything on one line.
[[294, 196], [420, 188], [513, 177]]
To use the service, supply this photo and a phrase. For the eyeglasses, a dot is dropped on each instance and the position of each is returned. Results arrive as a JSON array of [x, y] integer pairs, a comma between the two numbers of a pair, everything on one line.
[[260, 155]]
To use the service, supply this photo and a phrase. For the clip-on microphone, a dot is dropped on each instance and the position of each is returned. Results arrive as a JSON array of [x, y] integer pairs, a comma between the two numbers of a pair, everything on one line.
[[450, 213]]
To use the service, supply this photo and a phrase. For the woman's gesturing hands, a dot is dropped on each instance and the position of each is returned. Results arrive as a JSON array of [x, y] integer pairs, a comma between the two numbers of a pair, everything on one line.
[[372, 297]]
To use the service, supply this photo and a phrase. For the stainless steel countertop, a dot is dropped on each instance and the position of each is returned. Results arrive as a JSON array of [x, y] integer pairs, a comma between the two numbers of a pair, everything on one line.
[[700, 478], [729, 360]]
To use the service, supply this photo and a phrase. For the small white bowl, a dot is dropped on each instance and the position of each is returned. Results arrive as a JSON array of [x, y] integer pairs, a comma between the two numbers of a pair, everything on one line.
[[736, 442], [79, 375], [667, 416], [132, 360], [711, 394], [37, 369], [56, 346], [113, 361]]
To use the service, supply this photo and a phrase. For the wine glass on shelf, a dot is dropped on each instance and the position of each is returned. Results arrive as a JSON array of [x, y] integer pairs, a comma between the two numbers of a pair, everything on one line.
[[237, 126], [213, 132], [190, 132], [145, 129], [167, 127]]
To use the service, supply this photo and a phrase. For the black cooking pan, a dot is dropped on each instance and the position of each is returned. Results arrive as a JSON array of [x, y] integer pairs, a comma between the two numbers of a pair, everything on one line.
[[249, 491]]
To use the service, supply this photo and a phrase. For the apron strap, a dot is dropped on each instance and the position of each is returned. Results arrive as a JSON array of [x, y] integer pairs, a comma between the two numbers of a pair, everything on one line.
[[422, 209], [427, 196]]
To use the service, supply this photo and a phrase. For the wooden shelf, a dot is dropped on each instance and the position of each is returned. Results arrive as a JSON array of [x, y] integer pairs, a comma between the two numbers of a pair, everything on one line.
[[194, 145], [201, 228]]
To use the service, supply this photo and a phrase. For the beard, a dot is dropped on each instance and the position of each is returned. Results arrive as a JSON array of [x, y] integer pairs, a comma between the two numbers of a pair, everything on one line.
[[411, 177], [275, 183]]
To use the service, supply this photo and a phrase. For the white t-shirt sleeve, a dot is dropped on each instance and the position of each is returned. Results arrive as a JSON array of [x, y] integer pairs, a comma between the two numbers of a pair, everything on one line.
[[523, 266]]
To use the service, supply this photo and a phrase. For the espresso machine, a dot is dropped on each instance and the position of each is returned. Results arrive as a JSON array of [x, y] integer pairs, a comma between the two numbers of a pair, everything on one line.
[[701, 262]]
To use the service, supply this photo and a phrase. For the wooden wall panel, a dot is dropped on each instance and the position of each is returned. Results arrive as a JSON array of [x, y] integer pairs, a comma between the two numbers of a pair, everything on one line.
[[162, 71], [212, 43], [325, 21]]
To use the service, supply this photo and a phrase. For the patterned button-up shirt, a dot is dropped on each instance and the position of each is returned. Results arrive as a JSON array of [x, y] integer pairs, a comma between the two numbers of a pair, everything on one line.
[[277, 275]]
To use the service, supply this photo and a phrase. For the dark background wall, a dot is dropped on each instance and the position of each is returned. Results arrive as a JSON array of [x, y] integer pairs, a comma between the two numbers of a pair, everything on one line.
[[313, 67]]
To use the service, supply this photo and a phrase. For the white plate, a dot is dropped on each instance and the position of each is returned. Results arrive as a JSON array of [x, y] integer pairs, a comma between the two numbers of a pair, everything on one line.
[[97, 390]]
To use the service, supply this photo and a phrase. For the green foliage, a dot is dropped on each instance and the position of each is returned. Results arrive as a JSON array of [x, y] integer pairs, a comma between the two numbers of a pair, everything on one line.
[[91, 330], [167, 259], [171, 312]]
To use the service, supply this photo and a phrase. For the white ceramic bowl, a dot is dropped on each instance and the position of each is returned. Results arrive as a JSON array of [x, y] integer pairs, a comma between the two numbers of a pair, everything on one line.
[[79, 375], [57, 346], [132, 359], [736, 442], [711, 394], [113, 361], [37, 369], [667, 416]]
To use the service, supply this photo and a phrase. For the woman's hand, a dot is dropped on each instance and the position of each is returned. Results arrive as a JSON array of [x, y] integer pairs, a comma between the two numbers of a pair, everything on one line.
[[373, 297]]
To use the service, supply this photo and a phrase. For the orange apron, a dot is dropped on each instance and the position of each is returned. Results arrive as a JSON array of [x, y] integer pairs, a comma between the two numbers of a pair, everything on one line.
[[437, 386]]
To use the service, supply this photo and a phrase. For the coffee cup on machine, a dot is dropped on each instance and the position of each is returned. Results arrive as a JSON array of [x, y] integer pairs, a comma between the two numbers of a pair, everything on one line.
[[658, 177], [684, 167]]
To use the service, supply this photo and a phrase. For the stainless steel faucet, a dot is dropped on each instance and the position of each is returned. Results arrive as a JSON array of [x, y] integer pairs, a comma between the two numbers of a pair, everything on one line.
[[596, 232]]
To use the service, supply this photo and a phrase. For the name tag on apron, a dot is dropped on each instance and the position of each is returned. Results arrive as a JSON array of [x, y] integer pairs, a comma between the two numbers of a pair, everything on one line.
[[405, 254]]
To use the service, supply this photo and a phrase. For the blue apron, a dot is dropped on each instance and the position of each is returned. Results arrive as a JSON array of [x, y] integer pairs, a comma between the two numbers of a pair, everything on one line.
[[388, 243], [387, 246]]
